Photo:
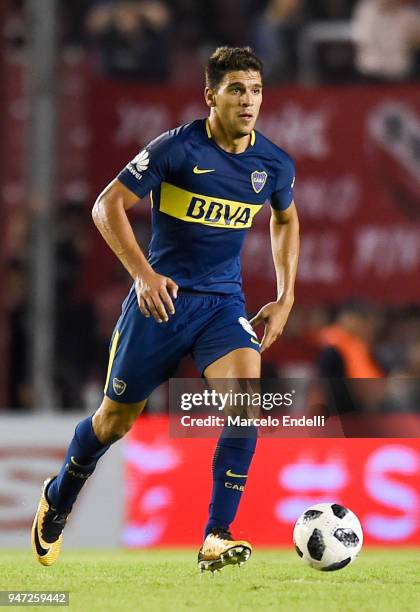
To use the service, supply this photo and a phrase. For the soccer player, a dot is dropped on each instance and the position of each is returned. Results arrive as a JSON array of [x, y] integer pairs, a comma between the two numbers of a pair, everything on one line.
[[208, 180]]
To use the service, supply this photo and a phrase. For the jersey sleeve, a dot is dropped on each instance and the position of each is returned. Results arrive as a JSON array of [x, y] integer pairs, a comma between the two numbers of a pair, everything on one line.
[[282, 196], [154, 164]]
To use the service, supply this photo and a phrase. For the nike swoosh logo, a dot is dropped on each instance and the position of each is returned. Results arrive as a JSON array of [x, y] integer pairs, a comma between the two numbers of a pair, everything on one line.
[[39, 548], [74, 462], [197, 170], [232, 475]]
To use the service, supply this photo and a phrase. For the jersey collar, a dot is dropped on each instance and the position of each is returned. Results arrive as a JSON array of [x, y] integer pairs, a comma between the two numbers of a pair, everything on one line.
[[209, 134]]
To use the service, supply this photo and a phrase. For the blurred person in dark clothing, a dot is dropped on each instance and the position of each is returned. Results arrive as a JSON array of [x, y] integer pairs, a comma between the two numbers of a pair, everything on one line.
[[335, 59], [346, 353], [232, 21], [14, 29], [72, 20], [274, 36], [17, 301], [387, 35], [75, 333], [346, 345], [321, 10], [131, 38]]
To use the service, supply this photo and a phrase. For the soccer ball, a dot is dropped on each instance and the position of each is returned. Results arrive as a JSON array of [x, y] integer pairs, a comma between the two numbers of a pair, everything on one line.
[[328, 537]]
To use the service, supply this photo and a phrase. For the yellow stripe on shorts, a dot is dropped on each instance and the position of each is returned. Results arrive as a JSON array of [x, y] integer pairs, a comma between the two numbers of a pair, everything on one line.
[[112, 357]]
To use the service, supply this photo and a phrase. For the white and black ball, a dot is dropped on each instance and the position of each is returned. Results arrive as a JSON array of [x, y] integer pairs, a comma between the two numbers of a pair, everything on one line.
[[328, 536]]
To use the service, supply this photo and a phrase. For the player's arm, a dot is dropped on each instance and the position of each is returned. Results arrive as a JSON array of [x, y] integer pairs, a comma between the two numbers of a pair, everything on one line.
[[284, 231], [109, 214]]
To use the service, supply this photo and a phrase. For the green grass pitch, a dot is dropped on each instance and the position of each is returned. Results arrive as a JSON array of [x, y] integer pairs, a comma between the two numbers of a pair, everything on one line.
[[158, 580]]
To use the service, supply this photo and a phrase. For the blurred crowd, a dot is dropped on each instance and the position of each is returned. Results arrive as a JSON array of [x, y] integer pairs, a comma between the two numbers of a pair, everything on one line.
[[168, 40]]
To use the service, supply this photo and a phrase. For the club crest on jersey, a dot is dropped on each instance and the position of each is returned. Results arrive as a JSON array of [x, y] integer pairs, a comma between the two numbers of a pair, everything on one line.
[[258, 180], [119, 386]]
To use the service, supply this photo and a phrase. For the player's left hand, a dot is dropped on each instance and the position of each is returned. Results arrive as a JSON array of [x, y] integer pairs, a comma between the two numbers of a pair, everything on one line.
[[274, 316]]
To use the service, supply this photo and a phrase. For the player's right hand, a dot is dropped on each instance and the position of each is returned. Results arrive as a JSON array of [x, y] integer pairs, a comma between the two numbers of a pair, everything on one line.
[[154, 295]]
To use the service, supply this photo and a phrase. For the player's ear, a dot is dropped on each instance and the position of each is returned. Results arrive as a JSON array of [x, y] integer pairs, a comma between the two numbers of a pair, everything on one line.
[[209, 96]]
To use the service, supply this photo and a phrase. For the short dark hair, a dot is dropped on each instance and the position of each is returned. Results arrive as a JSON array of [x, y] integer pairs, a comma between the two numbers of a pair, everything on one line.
[[227, 59]]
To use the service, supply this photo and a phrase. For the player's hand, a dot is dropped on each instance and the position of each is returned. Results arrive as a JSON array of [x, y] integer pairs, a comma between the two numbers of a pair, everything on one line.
[[274, 316], [155, 294]]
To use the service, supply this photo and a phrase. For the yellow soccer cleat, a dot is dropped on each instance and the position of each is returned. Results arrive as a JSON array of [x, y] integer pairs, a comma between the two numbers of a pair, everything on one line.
[[47, 529], [220, 549]]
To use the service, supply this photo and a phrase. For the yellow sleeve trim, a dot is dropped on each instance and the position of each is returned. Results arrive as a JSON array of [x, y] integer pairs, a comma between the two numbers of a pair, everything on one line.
[[112, 357]]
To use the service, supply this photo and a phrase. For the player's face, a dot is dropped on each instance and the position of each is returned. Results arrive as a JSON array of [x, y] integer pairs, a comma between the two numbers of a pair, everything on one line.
[[237, 101]]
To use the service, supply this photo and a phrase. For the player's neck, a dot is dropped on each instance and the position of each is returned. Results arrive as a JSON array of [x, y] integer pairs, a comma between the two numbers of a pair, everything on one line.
[[225, 140]]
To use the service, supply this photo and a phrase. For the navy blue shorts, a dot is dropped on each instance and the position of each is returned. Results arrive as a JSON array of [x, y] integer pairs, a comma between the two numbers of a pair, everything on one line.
[[144, 353]]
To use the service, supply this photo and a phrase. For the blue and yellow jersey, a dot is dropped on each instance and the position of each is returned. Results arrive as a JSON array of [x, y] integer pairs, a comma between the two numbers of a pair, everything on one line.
[[204, 200]]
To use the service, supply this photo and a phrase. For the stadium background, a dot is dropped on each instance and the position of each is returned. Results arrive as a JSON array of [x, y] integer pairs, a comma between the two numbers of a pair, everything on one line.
[[78, 100]]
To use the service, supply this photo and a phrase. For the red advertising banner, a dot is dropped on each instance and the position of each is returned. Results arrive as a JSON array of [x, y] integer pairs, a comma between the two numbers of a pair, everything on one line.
[[168, 485], [357, 185]]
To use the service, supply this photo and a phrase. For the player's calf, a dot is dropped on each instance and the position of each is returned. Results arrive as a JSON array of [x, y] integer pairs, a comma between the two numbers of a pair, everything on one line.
[[89, 443]]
